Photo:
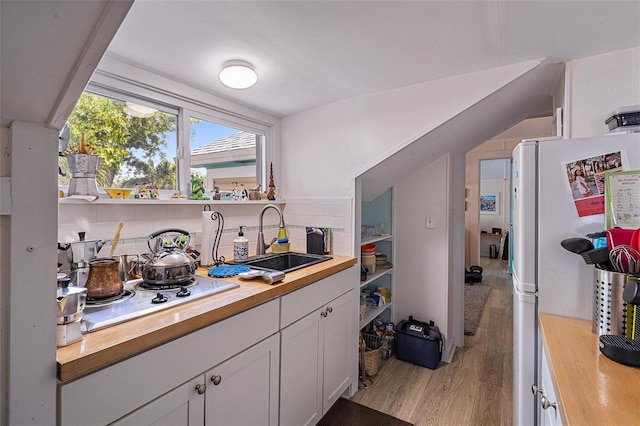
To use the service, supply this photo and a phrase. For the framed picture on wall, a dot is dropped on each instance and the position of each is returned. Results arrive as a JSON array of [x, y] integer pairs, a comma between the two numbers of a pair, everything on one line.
[[489, 204]]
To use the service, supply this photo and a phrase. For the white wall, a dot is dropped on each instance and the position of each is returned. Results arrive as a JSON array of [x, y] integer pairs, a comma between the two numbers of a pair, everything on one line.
[[597, 86], [345, 138], [422, 255]]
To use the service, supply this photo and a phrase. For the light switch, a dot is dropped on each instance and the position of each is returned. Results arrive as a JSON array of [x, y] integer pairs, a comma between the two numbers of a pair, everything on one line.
[[430, 223]]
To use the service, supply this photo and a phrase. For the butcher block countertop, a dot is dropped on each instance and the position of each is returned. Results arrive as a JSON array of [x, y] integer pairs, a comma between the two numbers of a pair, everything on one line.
[[116, 343], [590, 388]]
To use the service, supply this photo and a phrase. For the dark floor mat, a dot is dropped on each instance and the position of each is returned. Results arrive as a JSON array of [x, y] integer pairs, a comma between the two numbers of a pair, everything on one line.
[[348, 413]]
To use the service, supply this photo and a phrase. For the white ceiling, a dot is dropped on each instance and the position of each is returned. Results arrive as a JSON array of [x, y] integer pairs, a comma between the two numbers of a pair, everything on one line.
[[310, 53], [50, 49]]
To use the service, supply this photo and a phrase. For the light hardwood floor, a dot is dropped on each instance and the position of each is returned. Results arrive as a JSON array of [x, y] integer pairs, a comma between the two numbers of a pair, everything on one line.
[[475, 388]]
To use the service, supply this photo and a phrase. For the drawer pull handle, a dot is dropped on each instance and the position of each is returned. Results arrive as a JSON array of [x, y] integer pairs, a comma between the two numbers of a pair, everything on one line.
[[201, 388], [535, 389], [216, 379], [546, 404]]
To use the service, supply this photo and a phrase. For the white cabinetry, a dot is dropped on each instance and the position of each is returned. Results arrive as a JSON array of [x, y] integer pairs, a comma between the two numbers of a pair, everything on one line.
[[236, 371], [549, 412], [244, 389], [222, 395], [181, 406], [137, 387], [318, 349]]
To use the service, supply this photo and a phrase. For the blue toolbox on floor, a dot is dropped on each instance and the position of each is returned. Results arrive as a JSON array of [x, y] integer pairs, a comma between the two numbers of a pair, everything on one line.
[[418, 342]]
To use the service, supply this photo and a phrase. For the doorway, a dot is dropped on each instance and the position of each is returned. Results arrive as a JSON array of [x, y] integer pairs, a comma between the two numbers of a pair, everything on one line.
[[495, 208]]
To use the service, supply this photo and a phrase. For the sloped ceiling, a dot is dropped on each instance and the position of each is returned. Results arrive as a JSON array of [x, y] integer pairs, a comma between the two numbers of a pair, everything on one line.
[[49, 51], [525, 97]]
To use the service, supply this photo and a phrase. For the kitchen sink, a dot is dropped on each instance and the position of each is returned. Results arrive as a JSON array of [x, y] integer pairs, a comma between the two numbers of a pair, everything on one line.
[[283, 262]]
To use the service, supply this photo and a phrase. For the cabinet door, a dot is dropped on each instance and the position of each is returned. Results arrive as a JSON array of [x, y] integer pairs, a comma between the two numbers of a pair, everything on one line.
[[244, 389], [301, 371], [549, 416], [181, 406], [339, 347]]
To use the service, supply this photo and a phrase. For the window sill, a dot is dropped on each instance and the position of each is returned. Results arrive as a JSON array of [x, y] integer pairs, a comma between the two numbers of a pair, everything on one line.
[[166, 202]]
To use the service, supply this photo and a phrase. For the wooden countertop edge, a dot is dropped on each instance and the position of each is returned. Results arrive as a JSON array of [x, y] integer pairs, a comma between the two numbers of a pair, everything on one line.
[[92, 354], [590, 388]]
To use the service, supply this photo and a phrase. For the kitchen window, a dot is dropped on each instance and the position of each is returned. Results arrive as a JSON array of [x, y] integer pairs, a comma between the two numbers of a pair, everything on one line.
[[135, 140], [226, 157], [165, 144]]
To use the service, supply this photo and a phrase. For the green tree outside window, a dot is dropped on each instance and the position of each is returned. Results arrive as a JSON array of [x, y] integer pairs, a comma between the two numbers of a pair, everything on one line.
[[129, 146]]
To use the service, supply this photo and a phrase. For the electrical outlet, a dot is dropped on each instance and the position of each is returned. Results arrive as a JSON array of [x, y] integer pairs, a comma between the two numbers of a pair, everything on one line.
[[429, 223]]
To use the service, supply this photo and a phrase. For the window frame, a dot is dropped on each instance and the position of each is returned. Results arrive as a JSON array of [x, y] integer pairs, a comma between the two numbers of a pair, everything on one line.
[[261, 177], [114, 86]]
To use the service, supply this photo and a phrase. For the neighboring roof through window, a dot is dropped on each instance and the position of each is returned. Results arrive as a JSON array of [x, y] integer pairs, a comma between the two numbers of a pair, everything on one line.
[[240, 140], [237, 148]]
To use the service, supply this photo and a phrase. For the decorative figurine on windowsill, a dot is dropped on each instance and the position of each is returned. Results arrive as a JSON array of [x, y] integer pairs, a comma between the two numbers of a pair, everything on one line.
[[254, 193], [216, 191], [271, 195], [197, 188]]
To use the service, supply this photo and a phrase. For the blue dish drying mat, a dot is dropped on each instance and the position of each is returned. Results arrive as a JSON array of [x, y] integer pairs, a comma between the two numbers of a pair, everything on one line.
[[227, 270]]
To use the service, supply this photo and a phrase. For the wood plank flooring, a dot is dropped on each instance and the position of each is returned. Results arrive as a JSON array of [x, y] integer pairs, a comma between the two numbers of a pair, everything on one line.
[[475, 388]]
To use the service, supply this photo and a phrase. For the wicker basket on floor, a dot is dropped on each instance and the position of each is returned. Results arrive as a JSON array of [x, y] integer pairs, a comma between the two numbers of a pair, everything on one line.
[[371, 361], [371, 354]]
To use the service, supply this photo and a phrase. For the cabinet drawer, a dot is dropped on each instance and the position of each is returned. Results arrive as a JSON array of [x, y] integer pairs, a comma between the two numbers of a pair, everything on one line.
[[304, 301], [134, 382]]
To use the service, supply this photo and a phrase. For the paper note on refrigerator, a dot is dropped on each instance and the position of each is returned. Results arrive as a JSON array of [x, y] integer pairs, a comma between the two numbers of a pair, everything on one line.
[[622, 199]]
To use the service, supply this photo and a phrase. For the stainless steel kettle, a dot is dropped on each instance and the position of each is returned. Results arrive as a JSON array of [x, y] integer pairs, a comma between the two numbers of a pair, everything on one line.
[[170, 265]]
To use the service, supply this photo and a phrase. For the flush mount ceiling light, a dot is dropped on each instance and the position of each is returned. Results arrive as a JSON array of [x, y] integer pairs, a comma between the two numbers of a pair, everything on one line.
[[238, 75], [138, 111]]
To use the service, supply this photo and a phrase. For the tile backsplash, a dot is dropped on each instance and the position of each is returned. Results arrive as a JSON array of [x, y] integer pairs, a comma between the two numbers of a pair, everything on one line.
[[100, 222]]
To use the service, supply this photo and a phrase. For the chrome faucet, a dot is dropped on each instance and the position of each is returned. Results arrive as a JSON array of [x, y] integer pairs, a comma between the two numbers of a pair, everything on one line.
[[261, 245]]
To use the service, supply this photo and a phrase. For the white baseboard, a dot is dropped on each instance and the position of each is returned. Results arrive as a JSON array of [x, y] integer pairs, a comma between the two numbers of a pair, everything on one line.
[[448, 351]]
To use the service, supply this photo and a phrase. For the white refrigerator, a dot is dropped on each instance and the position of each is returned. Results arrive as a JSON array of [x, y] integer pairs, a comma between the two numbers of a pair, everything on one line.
[[547, 208]]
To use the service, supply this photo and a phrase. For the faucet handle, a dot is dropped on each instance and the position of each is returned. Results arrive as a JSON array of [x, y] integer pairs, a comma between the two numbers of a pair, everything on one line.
[[266, 246]]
